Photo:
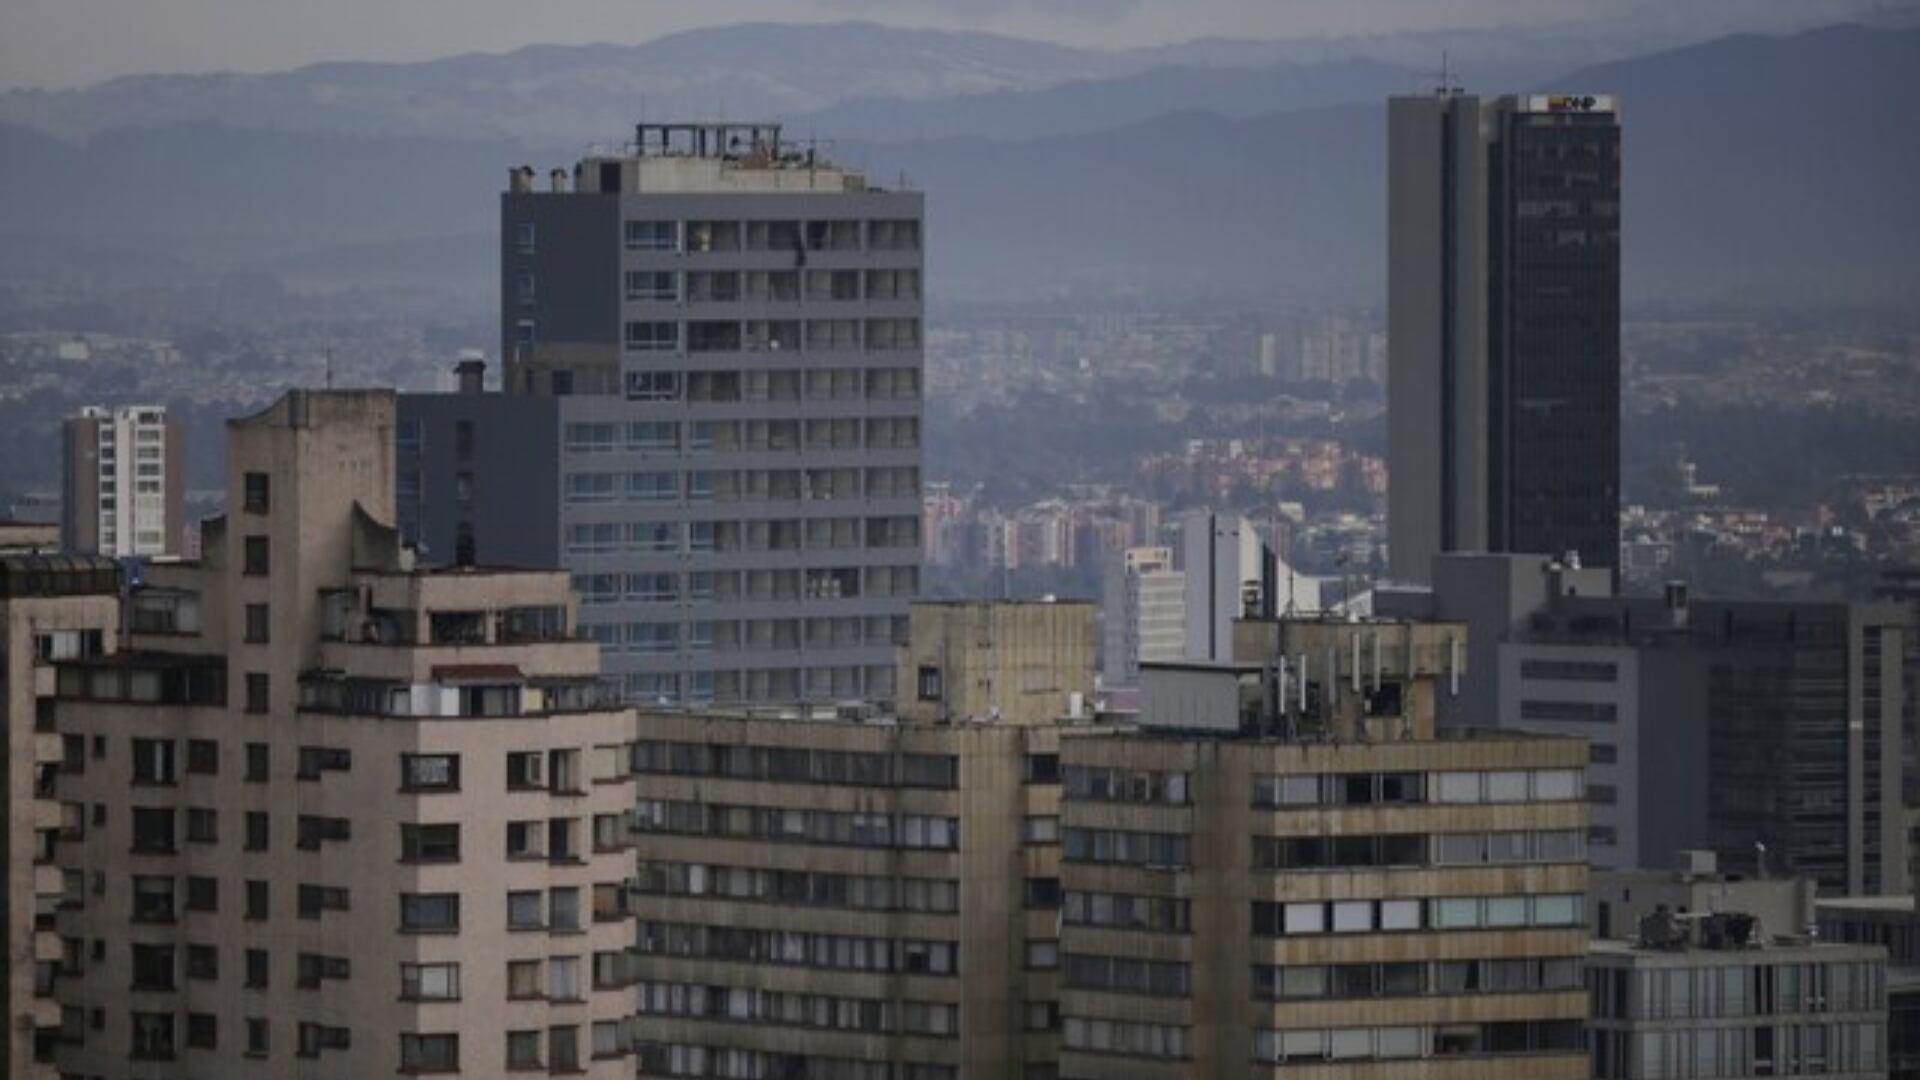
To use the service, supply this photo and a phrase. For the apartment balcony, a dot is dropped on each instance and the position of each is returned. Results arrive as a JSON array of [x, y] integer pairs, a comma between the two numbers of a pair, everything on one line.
[[474, 691]]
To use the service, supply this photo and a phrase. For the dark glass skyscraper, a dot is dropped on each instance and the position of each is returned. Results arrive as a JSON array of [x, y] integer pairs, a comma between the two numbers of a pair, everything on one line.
[[1504, 327]]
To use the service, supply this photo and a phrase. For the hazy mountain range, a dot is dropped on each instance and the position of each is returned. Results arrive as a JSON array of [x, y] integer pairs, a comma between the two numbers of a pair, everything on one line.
[[1757, 168]]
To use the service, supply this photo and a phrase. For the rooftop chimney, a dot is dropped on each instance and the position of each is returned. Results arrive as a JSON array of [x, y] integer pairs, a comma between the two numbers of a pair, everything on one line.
[[520, 179], [472, 375], [558, 179]]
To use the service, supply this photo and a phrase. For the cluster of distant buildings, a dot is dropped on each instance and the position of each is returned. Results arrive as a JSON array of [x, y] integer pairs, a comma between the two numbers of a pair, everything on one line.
[[708, 792]]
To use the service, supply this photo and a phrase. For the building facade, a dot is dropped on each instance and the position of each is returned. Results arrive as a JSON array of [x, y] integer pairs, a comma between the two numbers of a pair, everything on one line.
[[832, 893], [1795, 712], [123, 480], [1144, 609], [1301, 877], [726, 332], [1229, 574], [333, 814], [52, 609], [1737, 1010], [1503, 327]]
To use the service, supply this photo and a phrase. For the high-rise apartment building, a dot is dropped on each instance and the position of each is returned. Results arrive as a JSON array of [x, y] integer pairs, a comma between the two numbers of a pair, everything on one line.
[[329, 813], [123, 481], [1296, 872], [1144, 608], [1503, 327], [715, 339], [52, 609]]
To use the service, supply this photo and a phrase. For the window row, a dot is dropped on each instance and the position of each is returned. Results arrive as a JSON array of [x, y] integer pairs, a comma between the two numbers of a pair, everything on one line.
[[1370, 789], [796, 765], [1126, 975], [1399, 1043], [802, 888], [1102, 784], [745, 485], [1126, 846], [1158, 914], [1287, 853], [1280, 919], [735, 586], [1416, 978], [684, 1059], [728, 436], [782, 683], [1747, 990], [836, 951], [877, 1015], [732, 635], [782, 825], [1704, 1053], [702, 235], [1134, 1039], [817, 384], [700, 537], [772, 335], [768, 286]]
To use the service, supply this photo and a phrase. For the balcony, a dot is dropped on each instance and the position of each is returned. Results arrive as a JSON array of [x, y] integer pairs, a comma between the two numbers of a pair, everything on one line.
[[471, 690]]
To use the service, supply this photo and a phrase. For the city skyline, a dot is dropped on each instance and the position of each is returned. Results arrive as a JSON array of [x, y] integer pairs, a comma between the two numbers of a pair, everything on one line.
[[1049, 613]]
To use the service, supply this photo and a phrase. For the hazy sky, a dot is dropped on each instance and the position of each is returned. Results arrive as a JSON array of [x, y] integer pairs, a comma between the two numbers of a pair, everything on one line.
[[61, 43]]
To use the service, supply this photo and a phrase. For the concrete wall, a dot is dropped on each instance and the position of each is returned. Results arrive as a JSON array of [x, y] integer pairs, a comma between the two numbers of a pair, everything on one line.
[[514, 477]]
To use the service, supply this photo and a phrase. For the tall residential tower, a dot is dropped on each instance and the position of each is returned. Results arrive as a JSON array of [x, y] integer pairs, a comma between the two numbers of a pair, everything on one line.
[[711, 415], [122, 481], [1503, 258]]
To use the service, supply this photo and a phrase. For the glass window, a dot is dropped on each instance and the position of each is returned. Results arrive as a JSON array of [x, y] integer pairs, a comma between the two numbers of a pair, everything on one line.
[[1506, 911], [1306, 919], [1457, 787], [653, 236], [1352, 916], [1556, 910], [1399, 914], [1558, 784], [653, 336], [1507, 785], [1455, 913]]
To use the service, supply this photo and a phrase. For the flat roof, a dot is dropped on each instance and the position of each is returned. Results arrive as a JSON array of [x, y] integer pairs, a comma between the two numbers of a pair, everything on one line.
[[1865, 903]]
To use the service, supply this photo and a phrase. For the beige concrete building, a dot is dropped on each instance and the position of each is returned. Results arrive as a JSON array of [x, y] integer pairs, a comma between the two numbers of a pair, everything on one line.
[[51, 609], [1022, 662], [1289, 874], [336, 815], [832, 895], [29, 537]]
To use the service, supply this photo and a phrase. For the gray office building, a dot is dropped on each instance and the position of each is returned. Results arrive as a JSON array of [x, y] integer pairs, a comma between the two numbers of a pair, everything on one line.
[[709, 412], [1503, 327], [1769, 732]]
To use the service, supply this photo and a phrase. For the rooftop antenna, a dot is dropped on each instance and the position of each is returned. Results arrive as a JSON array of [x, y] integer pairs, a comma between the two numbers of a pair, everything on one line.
[[1446, 75], [329, 367]]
